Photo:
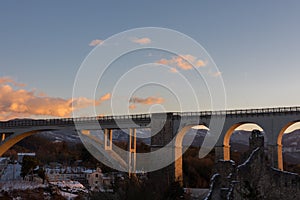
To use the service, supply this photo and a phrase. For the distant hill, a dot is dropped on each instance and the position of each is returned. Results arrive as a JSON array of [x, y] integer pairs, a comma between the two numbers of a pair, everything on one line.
[[195, 137], [239, 140]]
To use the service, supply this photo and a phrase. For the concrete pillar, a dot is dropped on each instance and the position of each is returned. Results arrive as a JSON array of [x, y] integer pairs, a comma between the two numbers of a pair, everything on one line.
[[178, 166], [132, 151], [226, 153], [279, 157], [219, 153], [273, 155], [162, 130], [108, 133]]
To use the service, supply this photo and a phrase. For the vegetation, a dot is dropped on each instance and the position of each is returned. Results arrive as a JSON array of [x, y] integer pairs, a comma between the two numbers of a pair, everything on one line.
[[28, 165], [197, 172], [134, 188]]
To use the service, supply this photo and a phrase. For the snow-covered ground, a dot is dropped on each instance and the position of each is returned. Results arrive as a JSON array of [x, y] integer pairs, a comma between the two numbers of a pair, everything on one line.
[[20, 185], [68, 195], [70, 186], [11, 179]]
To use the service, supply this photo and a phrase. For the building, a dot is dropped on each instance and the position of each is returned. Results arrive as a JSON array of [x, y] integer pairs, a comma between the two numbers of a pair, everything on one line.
[[98, 181], [21, 156], [66, 174], [3, 164]]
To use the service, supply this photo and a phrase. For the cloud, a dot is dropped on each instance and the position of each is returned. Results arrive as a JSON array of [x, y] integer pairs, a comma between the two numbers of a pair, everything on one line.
[[95, 42], [16, 103], [5, 80], [144, 101], [132, 106], [142, 41], [173, 70], [105, 97], [215, 74], [184, 62]]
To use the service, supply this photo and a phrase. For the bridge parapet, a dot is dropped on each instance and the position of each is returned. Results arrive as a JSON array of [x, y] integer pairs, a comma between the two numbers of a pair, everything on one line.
[[70, 121], [241, 111]]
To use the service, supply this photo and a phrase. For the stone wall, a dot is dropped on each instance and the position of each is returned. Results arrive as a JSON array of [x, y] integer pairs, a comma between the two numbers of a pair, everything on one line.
[[254, 179]]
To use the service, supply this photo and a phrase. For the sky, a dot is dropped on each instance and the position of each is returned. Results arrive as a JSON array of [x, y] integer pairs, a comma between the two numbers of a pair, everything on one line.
[[254, 46]]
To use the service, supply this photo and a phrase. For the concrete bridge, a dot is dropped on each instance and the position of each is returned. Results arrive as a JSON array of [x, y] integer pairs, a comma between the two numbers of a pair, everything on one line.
[[167, 128]]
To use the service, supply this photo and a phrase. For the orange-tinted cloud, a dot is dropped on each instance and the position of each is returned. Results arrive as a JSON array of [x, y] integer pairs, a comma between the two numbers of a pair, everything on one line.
[[4, 80], [20, 103], [132, 106], [173, 70], [185, 62], [145, 101], [215, 74], [144, 40], [105, 97], [95, 42]]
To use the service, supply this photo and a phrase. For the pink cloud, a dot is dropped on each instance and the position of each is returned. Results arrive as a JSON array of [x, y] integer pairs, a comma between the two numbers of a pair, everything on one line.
[[216, 74], [144, 40], [184, 62], [95, 42], [106, 97], [132, 106], [173, 70], [145, 101], [4, 80]]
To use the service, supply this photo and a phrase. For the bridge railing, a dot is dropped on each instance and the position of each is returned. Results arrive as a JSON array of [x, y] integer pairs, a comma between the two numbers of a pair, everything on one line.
[[69, 121], [241, 111]]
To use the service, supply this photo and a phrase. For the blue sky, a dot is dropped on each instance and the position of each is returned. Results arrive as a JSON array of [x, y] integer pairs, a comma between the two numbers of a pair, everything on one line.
[[255, 44]]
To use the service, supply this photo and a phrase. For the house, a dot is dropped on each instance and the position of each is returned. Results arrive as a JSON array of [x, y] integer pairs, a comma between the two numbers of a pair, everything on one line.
[[59, 173], [98, 181], [21, 156], [3, 164]]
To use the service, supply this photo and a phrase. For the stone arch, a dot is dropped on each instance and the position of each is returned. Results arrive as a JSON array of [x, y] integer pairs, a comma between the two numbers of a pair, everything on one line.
[[179, 152], [15, 138], [279, 143], [226, 140]]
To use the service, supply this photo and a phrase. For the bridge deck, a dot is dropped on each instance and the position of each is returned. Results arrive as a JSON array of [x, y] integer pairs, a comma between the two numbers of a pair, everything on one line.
[[144, 117]]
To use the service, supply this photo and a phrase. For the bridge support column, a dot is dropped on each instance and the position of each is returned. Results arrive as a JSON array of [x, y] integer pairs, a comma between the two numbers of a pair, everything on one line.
[[108, 133], [279, 157], [178, 165], [273, 156], [221, 153], [163, 130], [132, 152]]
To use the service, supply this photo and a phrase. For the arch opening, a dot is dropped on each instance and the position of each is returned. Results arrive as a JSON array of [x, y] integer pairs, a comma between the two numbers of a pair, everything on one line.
[[288, 149], [236, 140], [190, 170], [14, 139]]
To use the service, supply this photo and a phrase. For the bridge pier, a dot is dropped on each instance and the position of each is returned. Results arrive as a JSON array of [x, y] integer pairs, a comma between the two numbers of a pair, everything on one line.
[[273, 156], [132, 151], [219, 153], [3, 137], [162, 131], [108, 133]]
